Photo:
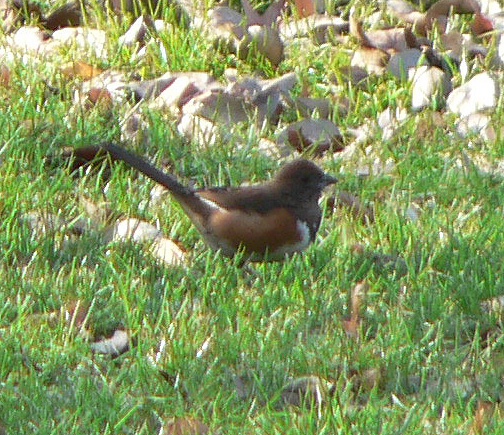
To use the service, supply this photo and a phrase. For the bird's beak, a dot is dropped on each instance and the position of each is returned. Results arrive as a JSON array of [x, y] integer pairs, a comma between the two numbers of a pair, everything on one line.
[[329, 179]]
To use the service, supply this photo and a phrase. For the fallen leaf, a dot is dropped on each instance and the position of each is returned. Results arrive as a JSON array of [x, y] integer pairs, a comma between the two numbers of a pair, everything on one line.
[[75, 313], [199, 129], [390, 120], [479, 93], [30, 38], [5, 75], [477, 123], [306, 391], [263, 40], [167, 251], [373, 60], [267, 18], [481, 24], [430, 86], [351, 326], [313, 136], [184, 426], [218, 105], [99, 98], [41, 223], [177, 94], [67, 15], [482, 416], [400, 63], [133, 229], [85, 39], [137, 31], [323, 28], [305, 8], [80, 70]]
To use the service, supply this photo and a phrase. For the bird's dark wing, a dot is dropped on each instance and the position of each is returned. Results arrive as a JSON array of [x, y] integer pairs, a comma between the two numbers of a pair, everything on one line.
[[250, 198]]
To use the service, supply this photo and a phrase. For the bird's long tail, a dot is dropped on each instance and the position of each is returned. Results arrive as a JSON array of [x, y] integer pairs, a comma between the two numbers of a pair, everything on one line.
[[137, 162]]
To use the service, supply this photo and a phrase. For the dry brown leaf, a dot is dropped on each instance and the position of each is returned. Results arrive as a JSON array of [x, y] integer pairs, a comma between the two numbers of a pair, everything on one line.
[[199, 130], [100, 99], [177, 94], [356, 30], [5, 75], [218, 105], [479, 93], [264, 40], [323, 28], [67, 15], [133, 229], [323, 107], [312, 136], [30, 38], [184, 426], [436, 15], [369, 378], [137, 31], [373, 60], [482, 416], [80, 70], [351, 326], [481, 24], [75, 313], [267, 18], [305, 8], [400, 63], [168, 251], [99, 214], [430, 85]]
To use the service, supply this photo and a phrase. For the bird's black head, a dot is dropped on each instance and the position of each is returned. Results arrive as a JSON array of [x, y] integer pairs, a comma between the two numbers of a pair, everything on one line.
[[303, 177]]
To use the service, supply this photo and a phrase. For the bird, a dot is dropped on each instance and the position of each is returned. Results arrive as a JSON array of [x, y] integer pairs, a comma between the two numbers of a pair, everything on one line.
[[268, 221]]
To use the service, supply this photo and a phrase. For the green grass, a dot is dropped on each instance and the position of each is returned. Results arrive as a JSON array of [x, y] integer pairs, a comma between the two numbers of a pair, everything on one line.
[[426, 352]]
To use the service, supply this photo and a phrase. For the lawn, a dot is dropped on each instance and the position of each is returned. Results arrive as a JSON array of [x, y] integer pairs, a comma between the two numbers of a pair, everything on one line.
[[418, 350]]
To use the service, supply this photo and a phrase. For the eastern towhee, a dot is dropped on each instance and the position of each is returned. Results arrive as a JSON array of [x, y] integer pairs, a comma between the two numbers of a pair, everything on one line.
[[268, 221]]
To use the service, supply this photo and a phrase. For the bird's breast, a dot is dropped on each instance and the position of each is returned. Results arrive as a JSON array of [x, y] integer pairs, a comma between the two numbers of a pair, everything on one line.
[[269, 235]]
